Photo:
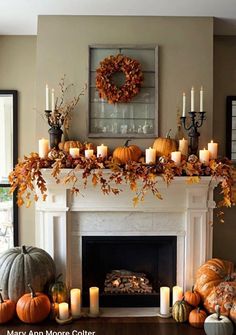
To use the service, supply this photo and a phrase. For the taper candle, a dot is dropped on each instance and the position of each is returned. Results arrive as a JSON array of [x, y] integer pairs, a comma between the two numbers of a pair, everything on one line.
[[47, 98], [204, 156], [53, 100], [164, 300], [184, 105], [43, 148], [192, 99], [63, 311], [183, 147], [213, 149], [201, 99], [150, 156], [176, 157], [94, 300], [75, 301]]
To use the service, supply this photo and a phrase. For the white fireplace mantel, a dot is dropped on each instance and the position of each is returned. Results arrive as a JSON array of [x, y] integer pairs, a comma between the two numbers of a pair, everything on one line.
[[186, 211]]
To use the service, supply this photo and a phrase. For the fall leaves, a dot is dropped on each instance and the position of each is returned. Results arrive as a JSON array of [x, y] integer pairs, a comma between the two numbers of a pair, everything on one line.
[[133, 78]]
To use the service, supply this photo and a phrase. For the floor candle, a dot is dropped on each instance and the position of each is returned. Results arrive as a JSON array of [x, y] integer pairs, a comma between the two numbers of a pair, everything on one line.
[[94, 300], [164, 300], [75, 301], [63, 311], [177, 294]]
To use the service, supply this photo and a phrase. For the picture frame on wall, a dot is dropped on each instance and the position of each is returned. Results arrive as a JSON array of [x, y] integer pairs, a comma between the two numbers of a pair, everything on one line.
[[137, 118]]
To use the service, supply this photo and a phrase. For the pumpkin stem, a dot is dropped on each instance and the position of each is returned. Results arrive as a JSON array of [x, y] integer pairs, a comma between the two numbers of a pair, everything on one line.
[[33, 295], [1, 298], [168, 133], [127, 143], [217, 309], [23, 249], [198, 309], [193, 289]]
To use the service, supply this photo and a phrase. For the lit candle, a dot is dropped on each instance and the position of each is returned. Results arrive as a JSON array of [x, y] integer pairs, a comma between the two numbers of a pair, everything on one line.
[[102, 151], [176, 157], [183, 147], [75, 302], [88, 153], [184, 105], [201, 99], [47, 98], [164, 300], [150, 157], [94, 300], [213, 149], [53, 100], [177, 294], [192, 99], [43, 148], [74, 152], [204, 156], [63, 311]]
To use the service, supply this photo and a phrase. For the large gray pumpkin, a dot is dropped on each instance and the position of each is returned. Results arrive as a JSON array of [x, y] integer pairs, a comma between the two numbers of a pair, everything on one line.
[[20, 266]]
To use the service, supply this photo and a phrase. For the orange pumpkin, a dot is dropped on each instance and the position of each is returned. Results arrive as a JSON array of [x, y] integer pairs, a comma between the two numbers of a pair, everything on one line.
[[192, 297], [127, 153], [232, 313], [7, 309], [211, 274], [65, 146], [33, 307], [222, 295], [197, 317], [164, 146]]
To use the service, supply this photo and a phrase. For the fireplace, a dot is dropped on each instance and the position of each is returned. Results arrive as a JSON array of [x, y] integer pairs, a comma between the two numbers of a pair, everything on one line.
[[152, 256], [64, 221]]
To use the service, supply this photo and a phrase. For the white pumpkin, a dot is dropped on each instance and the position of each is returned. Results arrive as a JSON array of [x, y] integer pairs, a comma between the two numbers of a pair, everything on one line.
[[216, 324]]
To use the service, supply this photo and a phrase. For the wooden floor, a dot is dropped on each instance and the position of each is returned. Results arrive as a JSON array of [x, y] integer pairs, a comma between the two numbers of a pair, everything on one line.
[[104, 326]]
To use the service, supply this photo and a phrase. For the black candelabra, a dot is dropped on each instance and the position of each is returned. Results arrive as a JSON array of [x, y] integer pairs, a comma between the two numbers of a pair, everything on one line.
[[196, 121]]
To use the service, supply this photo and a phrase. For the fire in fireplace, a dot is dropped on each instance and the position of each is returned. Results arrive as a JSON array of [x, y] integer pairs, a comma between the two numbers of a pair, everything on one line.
[[149, 263]]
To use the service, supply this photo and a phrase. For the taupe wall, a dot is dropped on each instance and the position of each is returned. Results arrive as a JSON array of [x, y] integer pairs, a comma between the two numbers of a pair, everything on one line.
[[17, 72], [185, 60], [224, 84]]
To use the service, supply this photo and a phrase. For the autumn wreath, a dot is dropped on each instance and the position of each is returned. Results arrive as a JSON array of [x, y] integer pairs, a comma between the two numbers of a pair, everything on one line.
[[133, 78]]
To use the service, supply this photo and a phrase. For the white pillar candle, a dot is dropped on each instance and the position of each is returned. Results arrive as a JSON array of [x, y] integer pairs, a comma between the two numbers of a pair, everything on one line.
[[75, 301], [201, 99], [184, 105], [74, 152], [150, 157], [88, 153], [63, 311], [176, 157], [94, 300], [164, 300], [204, 156], [43, 148], [213, 149], [102, 151], [47, 97], [177, 294], [192, 99], [53, 100], [183, 147]]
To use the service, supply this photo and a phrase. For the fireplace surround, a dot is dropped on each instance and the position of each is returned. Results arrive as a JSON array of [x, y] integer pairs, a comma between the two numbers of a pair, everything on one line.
[[186, 212]]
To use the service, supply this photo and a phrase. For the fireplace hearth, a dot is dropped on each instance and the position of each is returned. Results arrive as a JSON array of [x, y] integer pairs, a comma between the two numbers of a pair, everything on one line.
[[154, 256]]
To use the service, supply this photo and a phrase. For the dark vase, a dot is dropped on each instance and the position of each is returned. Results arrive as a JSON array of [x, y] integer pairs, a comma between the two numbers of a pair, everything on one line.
[[55, 137]]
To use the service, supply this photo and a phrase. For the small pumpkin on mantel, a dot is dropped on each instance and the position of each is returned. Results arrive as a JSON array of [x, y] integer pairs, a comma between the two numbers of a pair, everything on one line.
[[165, 145], [127, 153], [65, 146]]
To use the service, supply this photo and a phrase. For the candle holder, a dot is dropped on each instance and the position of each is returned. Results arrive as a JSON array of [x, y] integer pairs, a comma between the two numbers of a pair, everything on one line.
[[164, 316], [197, 119], [64, 322]]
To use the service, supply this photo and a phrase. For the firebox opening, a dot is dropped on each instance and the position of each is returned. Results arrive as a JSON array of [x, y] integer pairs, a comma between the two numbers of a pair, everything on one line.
[[129, 270]]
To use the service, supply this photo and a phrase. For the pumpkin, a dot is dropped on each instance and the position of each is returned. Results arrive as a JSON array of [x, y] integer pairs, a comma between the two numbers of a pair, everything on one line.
[[7, 309], [33, 307], [197, 317], [164, 146], [211, 274], [58, 290], [217, 324], [180, 311], [127, 153], [192, 297], [222, 295], [65, 146], [20, 265], [232, 313]]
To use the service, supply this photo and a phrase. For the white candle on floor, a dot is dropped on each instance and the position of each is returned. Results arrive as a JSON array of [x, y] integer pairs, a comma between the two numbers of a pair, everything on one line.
[[63, 311], [164, 300], [177, 294], [94, 300], [75, 301]]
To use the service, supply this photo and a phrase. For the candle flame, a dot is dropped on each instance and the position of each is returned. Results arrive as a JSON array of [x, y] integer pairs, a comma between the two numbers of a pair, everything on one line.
[[211, 141]]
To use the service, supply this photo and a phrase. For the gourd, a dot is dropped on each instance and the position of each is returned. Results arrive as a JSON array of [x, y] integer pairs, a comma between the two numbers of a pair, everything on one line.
[[197, 317], [165, 145], [192, 297], [21, 265], [222, 295], [58, 290], [33, 307], [211, 274], [7, 309], [217, 324], [65, 146], [232, 313], [180, 311], [127, 153]]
